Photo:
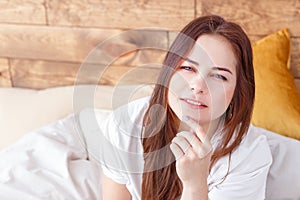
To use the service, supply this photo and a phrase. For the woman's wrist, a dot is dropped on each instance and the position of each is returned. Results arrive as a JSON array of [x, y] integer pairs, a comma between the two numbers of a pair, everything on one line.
[[193, 192]]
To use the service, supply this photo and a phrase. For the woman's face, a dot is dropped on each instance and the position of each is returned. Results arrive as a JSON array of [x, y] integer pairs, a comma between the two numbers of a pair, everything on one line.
[[203, 85]]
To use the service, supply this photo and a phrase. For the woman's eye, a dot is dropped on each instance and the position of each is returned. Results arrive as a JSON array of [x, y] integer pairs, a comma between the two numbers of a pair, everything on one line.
[[188, 68], [218, 76]]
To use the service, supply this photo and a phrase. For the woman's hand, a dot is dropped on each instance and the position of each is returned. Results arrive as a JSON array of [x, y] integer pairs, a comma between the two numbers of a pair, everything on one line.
[[192, 150]]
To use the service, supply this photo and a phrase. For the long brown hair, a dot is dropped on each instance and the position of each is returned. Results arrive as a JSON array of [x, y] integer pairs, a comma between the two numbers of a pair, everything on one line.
[[160, 180]]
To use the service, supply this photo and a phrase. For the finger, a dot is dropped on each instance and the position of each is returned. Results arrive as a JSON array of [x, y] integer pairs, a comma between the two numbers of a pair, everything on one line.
[[196, 128], [176, 150], [182, 142], [190, 137], [203, 151], [200, 149]]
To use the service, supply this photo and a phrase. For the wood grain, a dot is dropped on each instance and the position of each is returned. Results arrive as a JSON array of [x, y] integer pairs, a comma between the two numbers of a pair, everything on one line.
[[121, 13], [256, 17], [117, 75], [42, 74], [22, 11], [46, 74], [5, 80], [132, 47], [50, 43], [77, 44], [120, 75], [295, 57]]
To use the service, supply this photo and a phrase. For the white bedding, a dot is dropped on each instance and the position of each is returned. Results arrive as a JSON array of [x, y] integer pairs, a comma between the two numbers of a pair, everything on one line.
[[49, 163], [52, 163], [283, 181]]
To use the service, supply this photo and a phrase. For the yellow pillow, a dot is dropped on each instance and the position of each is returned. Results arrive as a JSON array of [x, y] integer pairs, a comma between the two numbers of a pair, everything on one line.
[[277, 101]]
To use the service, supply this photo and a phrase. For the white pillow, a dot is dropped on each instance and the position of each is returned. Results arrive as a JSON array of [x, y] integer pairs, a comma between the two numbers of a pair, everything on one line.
[[283, 180], [23, 110]]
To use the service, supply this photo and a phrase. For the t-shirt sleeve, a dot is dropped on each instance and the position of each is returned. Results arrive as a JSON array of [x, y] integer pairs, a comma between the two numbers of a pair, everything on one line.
[[114, 175], [246, 179], [110, 167], [122, 131]]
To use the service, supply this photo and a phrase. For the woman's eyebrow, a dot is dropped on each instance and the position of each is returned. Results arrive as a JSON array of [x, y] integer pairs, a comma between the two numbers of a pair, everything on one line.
[[191, 61], [214, 68], [222, 69]]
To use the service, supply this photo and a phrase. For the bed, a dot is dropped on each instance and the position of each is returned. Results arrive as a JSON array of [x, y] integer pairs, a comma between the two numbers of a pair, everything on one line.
[[55, 53]]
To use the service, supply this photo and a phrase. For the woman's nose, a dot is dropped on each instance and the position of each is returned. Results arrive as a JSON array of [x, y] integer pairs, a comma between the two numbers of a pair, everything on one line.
[[198, 84]]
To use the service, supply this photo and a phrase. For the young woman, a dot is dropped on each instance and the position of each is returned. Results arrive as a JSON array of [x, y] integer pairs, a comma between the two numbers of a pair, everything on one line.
[[192, 139]]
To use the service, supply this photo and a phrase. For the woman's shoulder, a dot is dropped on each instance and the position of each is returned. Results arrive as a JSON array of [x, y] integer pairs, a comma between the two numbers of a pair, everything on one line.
[[122, 126], [128, 117], [254, 148], [254, 138], [132, 109], [121, 116], [251, 157]]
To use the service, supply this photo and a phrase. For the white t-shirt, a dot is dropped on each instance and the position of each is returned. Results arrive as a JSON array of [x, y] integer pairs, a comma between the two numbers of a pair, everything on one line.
[[123, 160]]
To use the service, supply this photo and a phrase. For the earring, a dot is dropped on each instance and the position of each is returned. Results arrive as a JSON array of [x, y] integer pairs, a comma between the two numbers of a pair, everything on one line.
[[230, 110]]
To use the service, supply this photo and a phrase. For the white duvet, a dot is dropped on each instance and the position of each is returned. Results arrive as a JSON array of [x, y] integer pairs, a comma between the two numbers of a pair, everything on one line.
[[49, 163]]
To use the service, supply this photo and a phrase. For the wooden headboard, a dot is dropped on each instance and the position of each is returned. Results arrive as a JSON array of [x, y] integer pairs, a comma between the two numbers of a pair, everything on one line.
[[44, 42]]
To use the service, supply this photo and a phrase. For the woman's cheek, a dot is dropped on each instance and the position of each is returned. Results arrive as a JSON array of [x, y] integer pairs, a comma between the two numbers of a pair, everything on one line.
[[220, 100], [173, 101], [177, 89]]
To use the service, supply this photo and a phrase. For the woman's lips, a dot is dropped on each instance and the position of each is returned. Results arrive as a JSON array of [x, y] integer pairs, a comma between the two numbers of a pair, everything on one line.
[[194, 103]]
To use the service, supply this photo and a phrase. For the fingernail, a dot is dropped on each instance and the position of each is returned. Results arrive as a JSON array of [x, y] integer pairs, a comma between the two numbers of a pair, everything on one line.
[[185, 118]]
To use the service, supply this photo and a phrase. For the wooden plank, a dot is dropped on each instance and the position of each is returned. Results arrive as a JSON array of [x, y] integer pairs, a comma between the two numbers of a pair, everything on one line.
[[198, 9], [121, 13], [5, 80], [132, 47], [295, 57], [120, 75], [23, 11], [172, 35], [116, 74], [50, 43], [256, 17], [44, 74], [75, 44]]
